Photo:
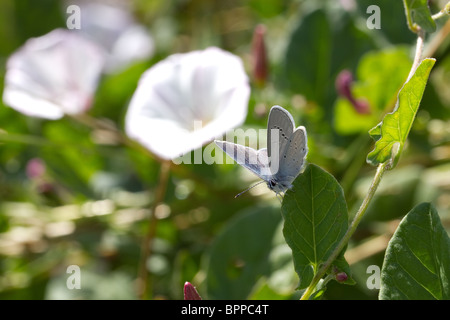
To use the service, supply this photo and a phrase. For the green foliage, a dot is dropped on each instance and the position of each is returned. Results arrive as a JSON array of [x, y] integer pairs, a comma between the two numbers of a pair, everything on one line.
[[375, 83], [341, 43], [417, 263], [315, 219], [417, 11], [90, 207], [390, 135], [239, 255]]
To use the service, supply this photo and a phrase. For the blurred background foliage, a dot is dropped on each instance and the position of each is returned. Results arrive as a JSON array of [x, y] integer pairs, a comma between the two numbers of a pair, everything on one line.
[[89, 207]]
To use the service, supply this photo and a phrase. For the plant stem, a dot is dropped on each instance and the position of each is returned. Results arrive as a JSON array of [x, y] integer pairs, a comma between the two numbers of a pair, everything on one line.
[[373, 187], [352, 228], [444, 12], [438, 15], [418, 53], [411, 25], [144, 286]]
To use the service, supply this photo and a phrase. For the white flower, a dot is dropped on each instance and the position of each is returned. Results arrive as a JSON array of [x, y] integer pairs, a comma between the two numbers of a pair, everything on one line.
[[114, 29], [188, 100], [53, 75]]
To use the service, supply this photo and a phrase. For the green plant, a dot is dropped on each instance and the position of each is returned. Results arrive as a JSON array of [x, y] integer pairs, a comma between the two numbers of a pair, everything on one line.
[[315, 214]]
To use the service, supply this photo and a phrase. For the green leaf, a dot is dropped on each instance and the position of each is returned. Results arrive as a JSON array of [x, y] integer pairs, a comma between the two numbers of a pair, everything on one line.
[[395, 126], [417, 11], [375, 132], [323, 43], [305, 73], [315, 220], [240, 255], [417, 262]]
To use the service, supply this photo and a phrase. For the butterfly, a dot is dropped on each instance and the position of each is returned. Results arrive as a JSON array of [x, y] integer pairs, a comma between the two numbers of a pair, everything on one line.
[[284, 158]]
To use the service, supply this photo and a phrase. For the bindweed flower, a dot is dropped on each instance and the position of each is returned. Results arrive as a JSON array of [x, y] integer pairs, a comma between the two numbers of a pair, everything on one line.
[[348, 5], [344, 81], [187, 100], [190, 293], [114, 29], [53, 75]]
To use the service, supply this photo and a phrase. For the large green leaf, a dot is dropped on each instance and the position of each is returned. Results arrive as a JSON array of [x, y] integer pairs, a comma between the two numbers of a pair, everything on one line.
[[418, 11], [417, 262], [323, 43], [391, 133], [315, 220]]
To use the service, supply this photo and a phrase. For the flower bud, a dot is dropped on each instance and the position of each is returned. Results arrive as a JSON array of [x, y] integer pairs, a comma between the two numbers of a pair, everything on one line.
[[35, 168], [343, 83], [190, 293], [341, 277], [259, 56]]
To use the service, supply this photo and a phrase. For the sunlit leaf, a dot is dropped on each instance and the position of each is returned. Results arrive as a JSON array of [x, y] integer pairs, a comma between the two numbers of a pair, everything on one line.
[[315, 219], [417, 262], [395, 126]]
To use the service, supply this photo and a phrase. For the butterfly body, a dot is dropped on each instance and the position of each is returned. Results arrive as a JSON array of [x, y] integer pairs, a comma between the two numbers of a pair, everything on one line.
[[283, 159]]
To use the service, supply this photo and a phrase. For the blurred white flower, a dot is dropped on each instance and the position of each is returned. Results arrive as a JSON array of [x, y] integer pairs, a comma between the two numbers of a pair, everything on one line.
[[53, 75], [188, 100], [114, 29]]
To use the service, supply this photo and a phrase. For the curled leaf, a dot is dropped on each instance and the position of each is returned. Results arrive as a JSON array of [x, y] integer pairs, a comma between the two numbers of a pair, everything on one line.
[[391, 134]]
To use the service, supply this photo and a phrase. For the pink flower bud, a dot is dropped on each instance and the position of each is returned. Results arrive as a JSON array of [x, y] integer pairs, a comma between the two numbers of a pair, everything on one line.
[[35, 168], [259, 56], [343, 83], [35, 171], [190, 293], [341, 277]]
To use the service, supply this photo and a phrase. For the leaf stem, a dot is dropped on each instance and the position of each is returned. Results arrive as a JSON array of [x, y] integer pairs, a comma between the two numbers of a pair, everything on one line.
[[144, 287], [352, 228], [411, 25]]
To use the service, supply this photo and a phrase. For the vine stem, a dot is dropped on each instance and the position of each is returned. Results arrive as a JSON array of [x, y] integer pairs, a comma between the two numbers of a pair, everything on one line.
[[144, 285], [444, 12], [352, 228], [418, 53], [375, 182]]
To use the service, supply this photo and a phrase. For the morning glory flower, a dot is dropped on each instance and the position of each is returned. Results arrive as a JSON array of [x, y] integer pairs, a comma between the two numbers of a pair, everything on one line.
[[187, 100], [53, 75], [115, 30]]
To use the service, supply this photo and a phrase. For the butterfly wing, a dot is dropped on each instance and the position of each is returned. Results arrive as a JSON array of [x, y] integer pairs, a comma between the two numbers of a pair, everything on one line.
[[292, 157], [281, 121], [256, 161]]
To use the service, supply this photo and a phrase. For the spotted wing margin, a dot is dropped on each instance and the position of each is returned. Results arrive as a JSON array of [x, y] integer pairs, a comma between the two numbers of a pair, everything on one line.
[[256, 161], [292, 158], [280, 124]]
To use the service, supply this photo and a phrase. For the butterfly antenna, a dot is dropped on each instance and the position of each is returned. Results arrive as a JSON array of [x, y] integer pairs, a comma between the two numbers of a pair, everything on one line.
[[248, 189], [280, 197]]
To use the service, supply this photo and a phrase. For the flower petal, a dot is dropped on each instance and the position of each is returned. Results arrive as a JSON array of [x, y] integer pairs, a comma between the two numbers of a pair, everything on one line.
[[123, 41], [187, 100], [52, 75]]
